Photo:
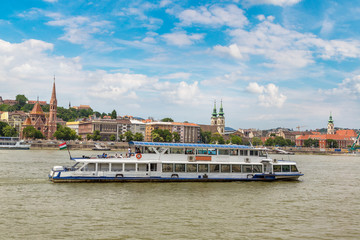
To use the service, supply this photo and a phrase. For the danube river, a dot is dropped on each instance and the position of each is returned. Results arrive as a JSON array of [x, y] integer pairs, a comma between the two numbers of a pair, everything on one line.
[[325, 204]]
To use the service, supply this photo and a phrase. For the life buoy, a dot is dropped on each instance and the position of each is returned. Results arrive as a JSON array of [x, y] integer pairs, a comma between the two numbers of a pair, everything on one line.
[[138, 156]]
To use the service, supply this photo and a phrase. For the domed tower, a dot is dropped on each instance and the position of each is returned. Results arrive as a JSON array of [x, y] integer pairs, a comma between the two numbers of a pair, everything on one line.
[[221, 120], [52, 115], [330, 126], [214, 116]]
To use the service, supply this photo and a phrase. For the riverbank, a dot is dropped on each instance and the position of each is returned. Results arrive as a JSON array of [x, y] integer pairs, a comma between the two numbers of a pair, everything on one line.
[[123, 146]]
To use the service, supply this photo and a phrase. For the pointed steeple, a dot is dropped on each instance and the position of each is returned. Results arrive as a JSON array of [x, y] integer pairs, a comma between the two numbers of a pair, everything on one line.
[[330, 119], [221, 112], [37, 108], [53, 95], [214, 114]]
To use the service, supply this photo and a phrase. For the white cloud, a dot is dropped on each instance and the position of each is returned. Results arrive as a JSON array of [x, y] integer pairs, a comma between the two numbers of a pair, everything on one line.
[[79, 30], [224, 80], [233, 50], [285, 48], [178, 75], [281, 3], [181, 38], [50, 1], [215, 16], [183, 93], [269, 95], [349, 87]]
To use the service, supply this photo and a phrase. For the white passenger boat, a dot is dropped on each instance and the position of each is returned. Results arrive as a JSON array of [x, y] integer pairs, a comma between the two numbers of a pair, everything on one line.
[[13, 143], [166, 162]]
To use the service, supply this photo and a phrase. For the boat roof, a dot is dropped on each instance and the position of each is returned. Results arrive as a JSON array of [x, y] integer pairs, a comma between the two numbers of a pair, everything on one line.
[[190, 145]]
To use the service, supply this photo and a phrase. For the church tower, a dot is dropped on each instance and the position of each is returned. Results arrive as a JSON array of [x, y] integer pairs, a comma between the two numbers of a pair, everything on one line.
[[330, 126], [52, 115], [214, 116], [221, 120]]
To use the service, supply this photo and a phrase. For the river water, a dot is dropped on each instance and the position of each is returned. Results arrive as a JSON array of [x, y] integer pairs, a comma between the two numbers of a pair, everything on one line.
[[325, 204]]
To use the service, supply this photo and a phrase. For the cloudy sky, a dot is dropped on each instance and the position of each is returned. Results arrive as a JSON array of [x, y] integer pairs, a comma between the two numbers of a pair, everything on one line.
[[273, 63]]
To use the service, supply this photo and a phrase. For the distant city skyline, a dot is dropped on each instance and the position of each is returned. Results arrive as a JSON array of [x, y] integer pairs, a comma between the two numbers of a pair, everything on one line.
[[283, 63]]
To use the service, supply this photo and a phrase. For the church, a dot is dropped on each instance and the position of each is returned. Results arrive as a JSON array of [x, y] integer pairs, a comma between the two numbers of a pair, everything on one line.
[[44, 122], [218, 120]]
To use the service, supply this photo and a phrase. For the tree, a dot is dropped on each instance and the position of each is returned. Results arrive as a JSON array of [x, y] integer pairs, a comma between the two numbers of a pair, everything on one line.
[[88, 136], [269, 142], [112, 138], [65, 133], [256, 141], [216, 138], [176, 137], [138, 137], [2, 126], [96, 136], [205, 136], [167, 120], [235, 139], [160, 135], [128, 136], [21, 99], [331, 143], [311, 142], [31, 132], [9, 131], [113, 114]]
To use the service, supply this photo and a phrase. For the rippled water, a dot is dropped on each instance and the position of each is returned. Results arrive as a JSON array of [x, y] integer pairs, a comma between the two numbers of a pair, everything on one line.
[[325, 204]]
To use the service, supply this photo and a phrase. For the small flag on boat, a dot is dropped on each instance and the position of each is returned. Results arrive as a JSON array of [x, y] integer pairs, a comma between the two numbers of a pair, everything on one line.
[[62, 146]]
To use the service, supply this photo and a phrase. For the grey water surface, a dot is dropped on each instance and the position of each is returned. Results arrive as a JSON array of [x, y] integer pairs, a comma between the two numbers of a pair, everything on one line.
[[324, 204]]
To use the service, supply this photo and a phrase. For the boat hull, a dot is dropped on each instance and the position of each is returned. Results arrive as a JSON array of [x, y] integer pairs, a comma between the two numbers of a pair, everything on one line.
[[259, 177]]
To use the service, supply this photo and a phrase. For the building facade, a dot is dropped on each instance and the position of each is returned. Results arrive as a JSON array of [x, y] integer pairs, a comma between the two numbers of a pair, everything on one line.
[[45, 123]]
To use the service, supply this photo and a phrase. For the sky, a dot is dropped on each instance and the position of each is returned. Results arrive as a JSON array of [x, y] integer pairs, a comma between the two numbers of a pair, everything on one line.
[[272, 63]]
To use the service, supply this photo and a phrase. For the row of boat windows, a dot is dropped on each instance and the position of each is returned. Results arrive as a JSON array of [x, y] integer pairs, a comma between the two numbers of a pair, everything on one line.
[[202, 151], [188, 167]]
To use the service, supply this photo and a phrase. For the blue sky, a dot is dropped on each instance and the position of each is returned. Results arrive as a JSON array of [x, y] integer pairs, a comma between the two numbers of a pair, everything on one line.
[[273, 63]]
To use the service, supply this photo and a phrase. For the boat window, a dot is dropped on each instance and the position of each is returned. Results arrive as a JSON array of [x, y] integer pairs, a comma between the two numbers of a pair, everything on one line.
[[236, 168], [149, 150], [160, 149], [225, 167], [203, 168], [201, 151], [253, 153], [243, 152], [153, 167], [179, 167], [234, 152], [262, 153], [277, 168], [212, 152], [191, 167], [223, 151], [90, 167], [214, 167], [116, 167], [129, 166], [294, 168], [103, 167], [246, 168], [285, 168], [177, 150], [142, 167], [189, 151], [257, 168], [167, 167]]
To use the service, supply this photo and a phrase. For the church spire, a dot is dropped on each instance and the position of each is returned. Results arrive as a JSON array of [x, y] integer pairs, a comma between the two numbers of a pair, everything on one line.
[[53, 95], [214, 114], [221, 112], [330, 119]]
